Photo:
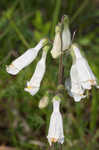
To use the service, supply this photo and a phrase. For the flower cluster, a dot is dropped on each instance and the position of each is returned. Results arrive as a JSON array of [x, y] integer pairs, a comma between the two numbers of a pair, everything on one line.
[[62, 39], [81, 76]]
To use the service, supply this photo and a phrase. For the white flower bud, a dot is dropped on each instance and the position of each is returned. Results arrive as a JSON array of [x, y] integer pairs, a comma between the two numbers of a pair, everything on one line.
[[33, 85], [62, 39], [66, 35], [25, 59], [56, 50], [43, 102], [55, 133]]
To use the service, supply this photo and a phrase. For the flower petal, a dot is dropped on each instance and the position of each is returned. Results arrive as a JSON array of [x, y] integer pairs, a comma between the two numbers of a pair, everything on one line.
[[56, 50], [11, 69], [66, 38]]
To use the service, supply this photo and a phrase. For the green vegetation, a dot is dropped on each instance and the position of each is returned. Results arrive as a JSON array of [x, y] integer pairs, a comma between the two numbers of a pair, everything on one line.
[[22, 124]]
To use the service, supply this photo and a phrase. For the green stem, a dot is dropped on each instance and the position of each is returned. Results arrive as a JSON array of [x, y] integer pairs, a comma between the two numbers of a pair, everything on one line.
[[54, 148], [83, 5], [60, 76], [18, 23], [61, 68], [55, 16], [60, 146], [94, 110], [19, 34]]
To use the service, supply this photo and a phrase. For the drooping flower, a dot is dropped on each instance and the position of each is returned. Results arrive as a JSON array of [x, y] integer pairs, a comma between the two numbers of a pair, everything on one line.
[[85, 75], [33, 85], [66, 35], [56, 50], [55, 132], [74, 88], [25, 59]]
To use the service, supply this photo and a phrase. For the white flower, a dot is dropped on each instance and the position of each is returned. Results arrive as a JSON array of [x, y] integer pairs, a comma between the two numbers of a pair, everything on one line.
[[43, 102], [24, 60], [75, 90], [56, 50], [83, 70], [66, 35], [81, 76], [55, 133], [33, 85]]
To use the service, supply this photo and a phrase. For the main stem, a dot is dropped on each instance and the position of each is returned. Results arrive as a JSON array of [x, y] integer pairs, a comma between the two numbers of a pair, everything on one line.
[[61, 68], [55, 16]]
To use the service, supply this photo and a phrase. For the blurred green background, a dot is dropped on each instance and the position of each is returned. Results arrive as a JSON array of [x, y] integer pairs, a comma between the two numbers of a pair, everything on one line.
[[22, 124]]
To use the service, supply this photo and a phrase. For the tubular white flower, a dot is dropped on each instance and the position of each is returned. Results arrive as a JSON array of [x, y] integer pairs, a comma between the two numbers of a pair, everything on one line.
[[86, 77], [33, 85], [66, 35], [73, 85], [56, 50], [24, 60], [55, 133]]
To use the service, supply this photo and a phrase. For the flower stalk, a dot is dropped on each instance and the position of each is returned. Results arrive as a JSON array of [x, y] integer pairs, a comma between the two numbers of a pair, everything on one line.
[[61, 67]]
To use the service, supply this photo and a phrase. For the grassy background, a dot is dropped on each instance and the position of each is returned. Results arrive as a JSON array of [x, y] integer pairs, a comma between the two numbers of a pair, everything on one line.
[[22, 24]]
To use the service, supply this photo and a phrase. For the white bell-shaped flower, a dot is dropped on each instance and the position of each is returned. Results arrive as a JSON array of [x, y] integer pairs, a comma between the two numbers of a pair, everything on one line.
[[56, 50], [66, 35], [73, 85], [86, 77], [33, 85], [25, 59], [55, 132]]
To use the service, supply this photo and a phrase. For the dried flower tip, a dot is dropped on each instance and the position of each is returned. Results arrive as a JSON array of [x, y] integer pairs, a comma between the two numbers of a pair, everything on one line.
[[53, 140], [65, 19], [11, 69]]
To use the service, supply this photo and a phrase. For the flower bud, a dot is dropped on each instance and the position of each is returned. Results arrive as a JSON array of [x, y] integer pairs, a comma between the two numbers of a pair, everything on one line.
[[43, 102], [56, 50], [66, 35]]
